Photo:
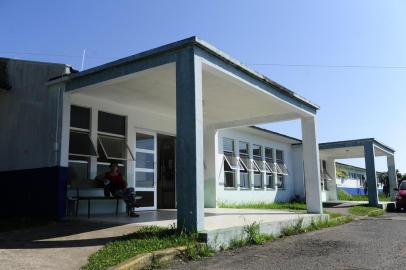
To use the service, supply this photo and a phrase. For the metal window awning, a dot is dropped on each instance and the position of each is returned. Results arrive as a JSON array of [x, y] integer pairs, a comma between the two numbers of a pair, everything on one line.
[[262, 166], [249, 164], [81, 145], [282, 169], [271, 166], [326, 176], [115, 148], [232, 161]]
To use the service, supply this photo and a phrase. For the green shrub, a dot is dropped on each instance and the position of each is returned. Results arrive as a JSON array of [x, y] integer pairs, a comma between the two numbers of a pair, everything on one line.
[[363, 210], [342, 195], [251, 235], [293, 205]]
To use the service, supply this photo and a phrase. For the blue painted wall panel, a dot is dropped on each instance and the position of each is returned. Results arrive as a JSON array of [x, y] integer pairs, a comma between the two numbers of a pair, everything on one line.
[[35, 193], [356, 191]]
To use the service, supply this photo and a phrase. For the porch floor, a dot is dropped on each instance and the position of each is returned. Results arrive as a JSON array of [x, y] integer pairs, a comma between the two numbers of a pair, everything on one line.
[[215, 218], [221, 224]]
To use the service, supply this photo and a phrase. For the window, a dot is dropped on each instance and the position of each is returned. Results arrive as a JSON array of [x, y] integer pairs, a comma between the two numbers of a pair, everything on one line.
[[81, 147], [80, 144], [228, 145], [324, 175], [111, 142], [281, 169], [280, 163], [230, 163], [259, 163], [145, 141], [111, 123], [115, 148], [80, 117], [269, 163], [78, 171], [145, 166], [103, 167], [245, 164], [111, 138], [281, 181]]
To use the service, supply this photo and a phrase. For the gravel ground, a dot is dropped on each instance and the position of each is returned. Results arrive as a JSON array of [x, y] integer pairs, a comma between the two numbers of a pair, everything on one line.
[[372, 243]]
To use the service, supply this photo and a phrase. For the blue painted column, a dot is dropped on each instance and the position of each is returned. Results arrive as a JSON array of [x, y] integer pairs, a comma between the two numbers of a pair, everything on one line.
[[369, 153], [189, 142], [393, 182]]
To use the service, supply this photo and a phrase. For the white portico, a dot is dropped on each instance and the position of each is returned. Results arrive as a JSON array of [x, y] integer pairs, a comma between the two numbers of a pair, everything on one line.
[[188, 90]]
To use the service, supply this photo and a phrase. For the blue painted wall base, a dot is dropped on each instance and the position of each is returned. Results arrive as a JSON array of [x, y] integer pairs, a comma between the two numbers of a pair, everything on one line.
[[34, 193], [356, 191]]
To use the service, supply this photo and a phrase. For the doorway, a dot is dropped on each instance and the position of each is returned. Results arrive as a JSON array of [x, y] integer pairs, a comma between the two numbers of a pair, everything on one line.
[[166, 196]]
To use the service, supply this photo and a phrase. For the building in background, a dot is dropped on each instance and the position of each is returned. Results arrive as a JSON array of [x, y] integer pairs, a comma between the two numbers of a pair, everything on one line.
[[353, 180]]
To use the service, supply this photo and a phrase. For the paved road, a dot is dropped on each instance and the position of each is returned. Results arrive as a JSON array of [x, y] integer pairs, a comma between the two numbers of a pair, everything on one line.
[[373, 243]]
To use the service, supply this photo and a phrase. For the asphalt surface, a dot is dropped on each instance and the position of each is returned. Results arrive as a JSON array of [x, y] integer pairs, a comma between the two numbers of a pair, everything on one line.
[[372, 243]]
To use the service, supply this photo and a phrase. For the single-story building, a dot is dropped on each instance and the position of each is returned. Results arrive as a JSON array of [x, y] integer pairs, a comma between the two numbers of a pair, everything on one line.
[[353, 179], [178, 118]]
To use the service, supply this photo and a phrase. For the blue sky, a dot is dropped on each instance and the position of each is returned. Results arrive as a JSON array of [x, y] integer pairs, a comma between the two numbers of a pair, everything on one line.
[[356, 102]]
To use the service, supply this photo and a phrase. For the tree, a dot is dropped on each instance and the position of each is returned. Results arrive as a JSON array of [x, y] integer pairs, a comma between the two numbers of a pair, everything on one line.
[[399, 175]]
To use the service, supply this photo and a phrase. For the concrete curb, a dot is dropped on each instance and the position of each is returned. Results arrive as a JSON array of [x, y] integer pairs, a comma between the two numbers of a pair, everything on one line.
[[142, 261]]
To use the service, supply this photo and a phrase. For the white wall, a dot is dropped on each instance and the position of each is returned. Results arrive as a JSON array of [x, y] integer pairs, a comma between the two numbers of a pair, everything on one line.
[[136, 119], [254, 195], [297, 171]]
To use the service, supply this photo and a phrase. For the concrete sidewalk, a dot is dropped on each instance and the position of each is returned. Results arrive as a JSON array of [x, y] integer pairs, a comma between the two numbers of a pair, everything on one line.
[[68, 244], [59, 245]]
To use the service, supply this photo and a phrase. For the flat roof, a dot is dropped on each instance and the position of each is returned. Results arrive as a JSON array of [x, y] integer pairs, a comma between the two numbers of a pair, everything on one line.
[[333, 145], [354, 143], [192, 41], [276, 133]]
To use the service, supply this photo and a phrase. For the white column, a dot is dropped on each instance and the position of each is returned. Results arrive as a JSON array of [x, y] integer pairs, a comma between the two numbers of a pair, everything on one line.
[[250, 174], [131, 144], [93, 137], [393, 182], [275, 175], [311, 165], [263, 174], [237, 172], [212, 161], [331, 185], [64, 129]]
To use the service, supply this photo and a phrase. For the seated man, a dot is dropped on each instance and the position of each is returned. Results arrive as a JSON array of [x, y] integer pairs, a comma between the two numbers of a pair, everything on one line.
[[115, 184]]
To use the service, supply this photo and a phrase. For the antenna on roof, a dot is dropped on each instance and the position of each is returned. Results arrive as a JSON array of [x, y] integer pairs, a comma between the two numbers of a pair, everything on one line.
[[83, 59]]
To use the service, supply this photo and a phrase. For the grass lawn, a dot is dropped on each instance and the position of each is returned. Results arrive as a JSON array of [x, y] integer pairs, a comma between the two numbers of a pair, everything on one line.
[[145, 240], [362, 210], [252, 235], [316, 225], [263, 205], [149, 239], [345, 196]]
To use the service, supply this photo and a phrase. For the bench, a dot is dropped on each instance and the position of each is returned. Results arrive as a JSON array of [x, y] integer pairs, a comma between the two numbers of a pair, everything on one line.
[[86, 187]]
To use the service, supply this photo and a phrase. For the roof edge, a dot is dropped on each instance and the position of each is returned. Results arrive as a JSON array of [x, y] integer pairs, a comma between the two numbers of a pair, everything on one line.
[[193, 41], [276, 133], [357, 142]]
